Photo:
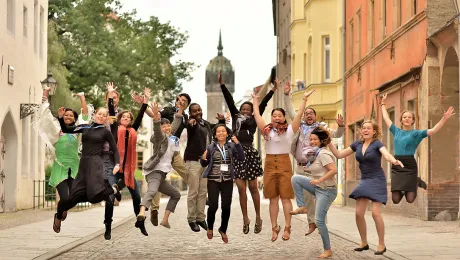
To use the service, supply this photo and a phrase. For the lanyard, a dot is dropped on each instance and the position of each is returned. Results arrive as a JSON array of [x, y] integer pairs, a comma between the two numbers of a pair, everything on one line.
[[222, 151], [316, 154], [175, 139]]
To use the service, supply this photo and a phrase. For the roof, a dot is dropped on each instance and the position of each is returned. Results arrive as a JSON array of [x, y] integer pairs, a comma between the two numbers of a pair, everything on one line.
[[400, 78], [219, 62]]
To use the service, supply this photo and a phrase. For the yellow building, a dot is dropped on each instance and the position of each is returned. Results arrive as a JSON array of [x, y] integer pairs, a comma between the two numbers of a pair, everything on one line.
[[316, 61]]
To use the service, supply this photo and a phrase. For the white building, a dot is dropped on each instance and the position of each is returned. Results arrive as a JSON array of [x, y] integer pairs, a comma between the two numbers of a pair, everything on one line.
[[23, 51]]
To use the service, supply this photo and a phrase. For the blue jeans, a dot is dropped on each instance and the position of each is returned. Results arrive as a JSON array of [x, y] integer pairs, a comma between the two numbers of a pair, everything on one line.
[[324, 199], [113, 178]]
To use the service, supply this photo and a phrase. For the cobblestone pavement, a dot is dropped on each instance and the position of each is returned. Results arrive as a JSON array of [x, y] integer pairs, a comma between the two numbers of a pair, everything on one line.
[[180, 242]]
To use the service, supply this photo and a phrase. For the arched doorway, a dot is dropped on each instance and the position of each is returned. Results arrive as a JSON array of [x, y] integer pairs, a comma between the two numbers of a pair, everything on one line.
[[8, 163]]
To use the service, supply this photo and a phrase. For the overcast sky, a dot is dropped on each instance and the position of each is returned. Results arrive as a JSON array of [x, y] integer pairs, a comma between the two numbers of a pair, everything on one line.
[[247, 36]]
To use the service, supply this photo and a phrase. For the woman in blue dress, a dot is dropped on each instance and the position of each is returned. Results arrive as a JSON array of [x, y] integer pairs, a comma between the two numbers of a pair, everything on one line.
[[372, 186], [405, 181]]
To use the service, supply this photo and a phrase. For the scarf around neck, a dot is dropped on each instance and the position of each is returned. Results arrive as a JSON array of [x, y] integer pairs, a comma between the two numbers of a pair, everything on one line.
[[280, 129], [239, 122], [128, 167]]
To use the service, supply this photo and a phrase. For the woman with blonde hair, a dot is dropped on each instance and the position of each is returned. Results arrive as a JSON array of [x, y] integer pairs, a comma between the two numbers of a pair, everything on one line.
[[372, 186], [405, 181]]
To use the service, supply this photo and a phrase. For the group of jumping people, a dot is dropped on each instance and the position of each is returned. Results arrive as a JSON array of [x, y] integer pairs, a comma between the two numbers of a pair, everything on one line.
[[216, 157]]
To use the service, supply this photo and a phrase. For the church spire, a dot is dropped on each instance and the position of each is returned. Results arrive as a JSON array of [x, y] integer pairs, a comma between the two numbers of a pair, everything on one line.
[[220, 47]]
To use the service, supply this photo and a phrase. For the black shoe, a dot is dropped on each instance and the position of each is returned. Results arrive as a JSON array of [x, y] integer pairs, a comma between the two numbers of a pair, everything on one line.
[[118, 194], [154, 217], [359, 249], [421, 183], [140, 224], [202, 224], [380, 252], [108, 231], [194, 226]]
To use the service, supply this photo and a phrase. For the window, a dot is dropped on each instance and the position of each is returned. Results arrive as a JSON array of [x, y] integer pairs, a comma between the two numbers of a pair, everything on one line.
[[350, 40], [309, 61], [327, 59], [382, 19], [35, 26], [140, 160], [414, 7], [24, 21], [42, 31], [371, 24], [358, 34], [304, 66], [411, 107], [397, 14], [10, 15]]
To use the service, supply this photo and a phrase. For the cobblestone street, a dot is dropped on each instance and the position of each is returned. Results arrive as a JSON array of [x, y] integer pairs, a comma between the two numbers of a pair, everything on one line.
[[181, 243]]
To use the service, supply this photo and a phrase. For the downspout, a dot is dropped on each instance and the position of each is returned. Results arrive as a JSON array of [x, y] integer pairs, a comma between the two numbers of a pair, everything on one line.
[[344, 113]]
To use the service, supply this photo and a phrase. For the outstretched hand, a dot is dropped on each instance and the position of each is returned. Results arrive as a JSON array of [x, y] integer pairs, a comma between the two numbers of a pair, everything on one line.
[[61, 112], [219, 79], [287, 88], [340, 121], [308, 93], [449, 113]]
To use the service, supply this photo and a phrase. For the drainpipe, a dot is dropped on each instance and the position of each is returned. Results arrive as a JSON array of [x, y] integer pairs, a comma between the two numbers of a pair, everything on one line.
[[344, 84]]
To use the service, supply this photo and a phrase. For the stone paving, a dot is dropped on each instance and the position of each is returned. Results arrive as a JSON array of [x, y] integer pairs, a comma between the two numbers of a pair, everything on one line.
[[180, 242]]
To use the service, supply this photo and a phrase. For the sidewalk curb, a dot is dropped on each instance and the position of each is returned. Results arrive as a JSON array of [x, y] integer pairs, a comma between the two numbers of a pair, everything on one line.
[[64, 249], [388, 254]]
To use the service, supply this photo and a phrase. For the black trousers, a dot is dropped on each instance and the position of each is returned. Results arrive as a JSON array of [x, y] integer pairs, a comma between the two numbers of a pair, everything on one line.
[[63, 190], [225, 190]]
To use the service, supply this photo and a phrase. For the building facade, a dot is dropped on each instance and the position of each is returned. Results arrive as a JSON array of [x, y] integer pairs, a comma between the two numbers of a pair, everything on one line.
[[281, 24], [23, 47], [316, 61], [388, 52], [215, 99]]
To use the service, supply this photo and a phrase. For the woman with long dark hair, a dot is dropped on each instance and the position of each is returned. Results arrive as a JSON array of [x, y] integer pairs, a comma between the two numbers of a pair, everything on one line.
[[65, 147], [278, 137], [91, 184], [405, 181], [246, 171]]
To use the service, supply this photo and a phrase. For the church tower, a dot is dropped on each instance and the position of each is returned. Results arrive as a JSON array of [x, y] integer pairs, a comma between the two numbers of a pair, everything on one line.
[[215, 99]]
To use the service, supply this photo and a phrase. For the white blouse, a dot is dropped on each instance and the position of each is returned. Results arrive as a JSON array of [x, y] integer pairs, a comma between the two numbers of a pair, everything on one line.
[[279, 144]]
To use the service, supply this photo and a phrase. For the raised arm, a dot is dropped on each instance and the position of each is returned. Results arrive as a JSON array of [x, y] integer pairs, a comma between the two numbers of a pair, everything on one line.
[[383, 150], [298, 116], [340, 154], [341, 127], [385, 115], [263, 104], [441, 122], [65, 128], [287, 101], [221, 120], [177, 121], [157, 134], [110, 94], [259, 120], [84, 106], [227, 96], [140, 114]]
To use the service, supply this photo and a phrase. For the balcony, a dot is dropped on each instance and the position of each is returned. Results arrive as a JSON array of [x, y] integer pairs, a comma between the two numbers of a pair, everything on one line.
[[326, 99]]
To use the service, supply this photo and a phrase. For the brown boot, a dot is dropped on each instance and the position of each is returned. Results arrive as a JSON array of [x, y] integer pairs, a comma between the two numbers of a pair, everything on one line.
[[311, 228]]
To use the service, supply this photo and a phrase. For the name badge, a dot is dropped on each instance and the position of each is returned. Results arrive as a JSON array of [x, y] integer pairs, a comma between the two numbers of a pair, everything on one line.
[[224, 167]]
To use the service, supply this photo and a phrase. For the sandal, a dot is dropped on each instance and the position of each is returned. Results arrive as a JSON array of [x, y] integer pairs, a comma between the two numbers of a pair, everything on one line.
[[287, 229], [64, 215], [224, 236], [246, 228], [56, 227], [258, 227], [277, 230], [210, 234]]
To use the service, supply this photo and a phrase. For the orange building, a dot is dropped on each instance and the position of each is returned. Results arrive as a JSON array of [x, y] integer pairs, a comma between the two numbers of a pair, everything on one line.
[[390, 48]]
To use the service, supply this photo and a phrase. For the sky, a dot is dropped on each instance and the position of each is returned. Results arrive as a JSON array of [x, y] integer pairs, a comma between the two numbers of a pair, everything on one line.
[[247, 36]]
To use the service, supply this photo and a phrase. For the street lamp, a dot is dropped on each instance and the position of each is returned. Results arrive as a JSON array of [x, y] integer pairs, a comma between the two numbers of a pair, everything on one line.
[[28, 109], [50, 82]]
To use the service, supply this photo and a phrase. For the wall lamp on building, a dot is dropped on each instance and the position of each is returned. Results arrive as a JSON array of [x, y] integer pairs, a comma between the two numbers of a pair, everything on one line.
[[30, 108]]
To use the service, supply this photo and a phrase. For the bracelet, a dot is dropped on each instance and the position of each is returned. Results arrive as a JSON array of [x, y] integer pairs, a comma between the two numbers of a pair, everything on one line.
[[117, 165], [382, 104]]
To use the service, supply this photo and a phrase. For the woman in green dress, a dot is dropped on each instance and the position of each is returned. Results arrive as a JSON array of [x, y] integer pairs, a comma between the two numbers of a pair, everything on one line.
[[64, 146]]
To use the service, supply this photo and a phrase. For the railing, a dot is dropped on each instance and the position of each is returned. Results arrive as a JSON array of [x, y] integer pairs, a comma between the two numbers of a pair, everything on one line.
[[45, 196]]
